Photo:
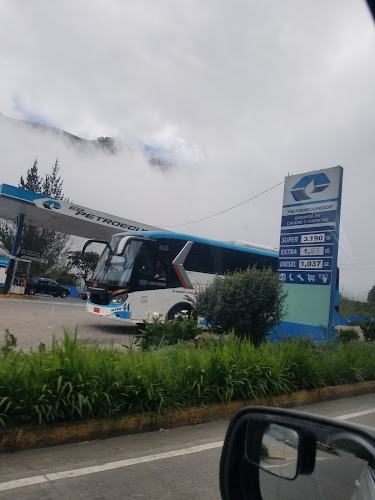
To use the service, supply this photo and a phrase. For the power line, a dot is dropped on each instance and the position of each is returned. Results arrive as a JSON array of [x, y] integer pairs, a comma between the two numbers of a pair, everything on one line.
[[227, 209]]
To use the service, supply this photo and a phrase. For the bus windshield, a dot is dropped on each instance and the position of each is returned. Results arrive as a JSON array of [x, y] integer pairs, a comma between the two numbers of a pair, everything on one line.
[[117, 261]]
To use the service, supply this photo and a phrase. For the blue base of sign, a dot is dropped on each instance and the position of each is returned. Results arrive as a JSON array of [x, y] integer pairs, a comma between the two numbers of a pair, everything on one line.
[[316, 333]]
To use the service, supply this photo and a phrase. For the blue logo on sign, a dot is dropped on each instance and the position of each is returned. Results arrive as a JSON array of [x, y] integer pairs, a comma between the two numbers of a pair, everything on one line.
[[321, 182], [50, 204]]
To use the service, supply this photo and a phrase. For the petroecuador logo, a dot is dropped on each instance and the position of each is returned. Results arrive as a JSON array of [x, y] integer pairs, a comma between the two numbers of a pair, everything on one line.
[[50, 204], [47, 203], [308, 185]]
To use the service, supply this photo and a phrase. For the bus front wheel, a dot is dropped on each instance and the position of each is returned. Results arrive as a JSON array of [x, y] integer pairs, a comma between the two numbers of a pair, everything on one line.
[[179, 312]]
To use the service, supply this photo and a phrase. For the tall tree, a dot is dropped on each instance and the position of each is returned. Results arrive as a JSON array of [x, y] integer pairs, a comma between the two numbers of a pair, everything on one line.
[[33, 181], [371, 295], [85, 264], [52, 185], [51, 244]]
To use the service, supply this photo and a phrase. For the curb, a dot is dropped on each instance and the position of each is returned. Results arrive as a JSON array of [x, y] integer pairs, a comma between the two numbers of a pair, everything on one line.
[[24, 439], [17, 296]]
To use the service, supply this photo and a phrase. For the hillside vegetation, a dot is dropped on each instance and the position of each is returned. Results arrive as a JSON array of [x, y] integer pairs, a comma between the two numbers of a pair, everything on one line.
[[350, 307]]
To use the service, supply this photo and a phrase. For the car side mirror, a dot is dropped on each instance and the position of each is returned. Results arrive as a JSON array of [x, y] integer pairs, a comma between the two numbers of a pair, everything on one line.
[[274, 453], [279, 451]]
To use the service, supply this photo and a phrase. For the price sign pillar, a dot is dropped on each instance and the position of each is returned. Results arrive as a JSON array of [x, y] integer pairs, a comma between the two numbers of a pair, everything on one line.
[[308, 250]]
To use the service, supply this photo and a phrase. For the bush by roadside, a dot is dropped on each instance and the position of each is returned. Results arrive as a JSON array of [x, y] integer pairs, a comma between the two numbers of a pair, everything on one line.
[[368, 329], [250, 302], [74, 381], [347, 335], [169, 332]]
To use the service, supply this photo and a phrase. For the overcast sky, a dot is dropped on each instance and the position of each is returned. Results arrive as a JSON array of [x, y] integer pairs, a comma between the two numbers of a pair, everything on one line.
[[243, 92]]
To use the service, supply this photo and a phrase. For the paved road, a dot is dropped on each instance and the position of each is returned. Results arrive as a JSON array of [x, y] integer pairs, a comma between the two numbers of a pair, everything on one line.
[[36, 320], [180, 463]]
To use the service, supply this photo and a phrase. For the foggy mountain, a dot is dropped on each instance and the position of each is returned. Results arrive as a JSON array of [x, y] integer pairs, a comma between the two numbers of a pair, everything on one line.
[[157, 156]]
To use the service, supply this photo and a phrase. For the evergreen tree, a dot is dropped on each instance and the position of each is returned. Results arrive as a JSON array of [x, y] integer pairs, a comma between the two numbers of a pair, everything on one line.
[[371, 295], [33, 181], [51, 244], [52, 185]]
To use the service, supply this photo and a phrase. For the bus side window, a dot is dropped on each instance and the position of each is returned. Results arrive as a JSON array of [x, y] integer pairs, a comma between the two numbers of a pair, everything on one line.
[[215, 258], [235, 260], [145, 261], [268, 262], [195, 259]]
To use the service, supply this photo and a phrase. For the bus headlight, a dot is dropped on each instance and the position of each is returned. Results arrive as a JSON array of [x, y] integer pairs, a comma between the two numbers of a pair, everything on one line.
[[119, 299]]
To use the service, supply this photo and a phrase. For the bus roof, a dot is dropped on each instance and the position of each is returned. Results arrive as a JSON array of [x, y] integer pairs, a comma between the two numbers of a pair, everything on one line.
[[198, 239]]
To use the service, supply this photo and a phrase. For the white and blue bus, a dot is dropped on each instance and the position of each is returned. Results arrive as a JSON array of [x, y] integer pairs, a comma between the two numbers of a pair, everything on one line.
[[139, 274]]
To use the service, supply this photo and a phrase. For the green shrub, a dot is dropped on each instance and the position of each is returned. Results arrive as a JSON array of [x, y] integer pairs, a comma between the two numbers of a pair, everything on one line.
[[10, 343], [169, 332], [249, 301], [264, 453], [75, 381], [368, 329], [347, 335]]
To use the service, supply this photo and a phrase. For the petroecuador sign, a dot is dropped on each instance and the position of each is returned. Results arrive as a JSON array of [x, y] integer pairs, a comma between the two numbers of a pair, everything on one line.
[[72, 209], [63, 215], [309, 236]]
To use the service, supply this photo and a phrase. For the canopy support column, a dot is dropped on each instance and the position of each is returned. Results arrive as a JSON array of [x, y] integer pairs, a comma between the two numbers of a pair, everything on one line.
[[12, 263]]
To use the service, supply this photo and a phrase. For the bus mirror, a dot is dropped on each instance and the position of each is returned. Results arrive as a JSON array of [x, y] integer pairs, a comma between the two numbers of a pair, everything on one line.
[[121, 245], [125, 239], [89, 242]]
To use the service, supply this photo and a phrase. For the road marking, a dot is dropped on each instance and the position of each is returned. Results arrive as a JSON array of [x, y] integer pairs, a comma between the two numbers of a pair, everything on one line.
[[347, 416], [54, 476], [18, 483], [317, 459], [278, 465]]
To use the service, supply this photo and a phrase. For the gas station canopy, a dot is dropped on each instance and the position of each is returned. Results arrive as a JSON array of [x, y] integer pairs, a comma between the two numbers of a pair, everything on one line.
[[64, 216]]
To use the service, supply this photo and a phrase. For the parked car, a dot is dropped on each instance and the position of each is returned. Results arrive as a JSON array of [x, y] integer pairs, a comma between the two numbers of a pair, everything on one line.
[[46, 285], [84, 295]]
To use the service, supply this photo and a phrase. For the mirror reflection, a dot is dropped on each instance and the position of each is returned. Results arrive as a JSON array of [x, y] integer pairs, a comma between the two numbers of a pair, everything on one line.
[[279, 451], [343, 469]]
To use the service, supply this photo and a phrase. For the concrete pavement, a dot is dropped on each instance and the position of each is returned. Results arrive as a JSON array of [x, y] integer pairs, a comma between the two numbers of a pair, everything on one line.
[[180, 463], [34, 321]]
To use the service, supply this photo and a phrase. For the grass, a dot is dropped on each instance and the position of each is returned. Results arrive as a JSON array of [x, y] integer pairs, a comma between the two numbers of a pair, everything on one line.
[[74, 381]]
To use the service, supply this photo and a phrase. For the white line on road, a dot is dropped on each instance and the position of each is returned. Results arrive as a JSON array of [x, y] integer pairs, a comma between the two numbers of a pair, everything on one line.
[[317, 459], [278, 465], [356, 414], [54, 476], [28, 481], [18, 483]]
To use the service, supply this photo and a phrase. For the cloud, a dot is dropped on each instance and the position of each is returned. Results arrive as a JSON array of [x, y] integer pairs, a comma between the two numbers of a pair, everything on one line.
[[241, 92]]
